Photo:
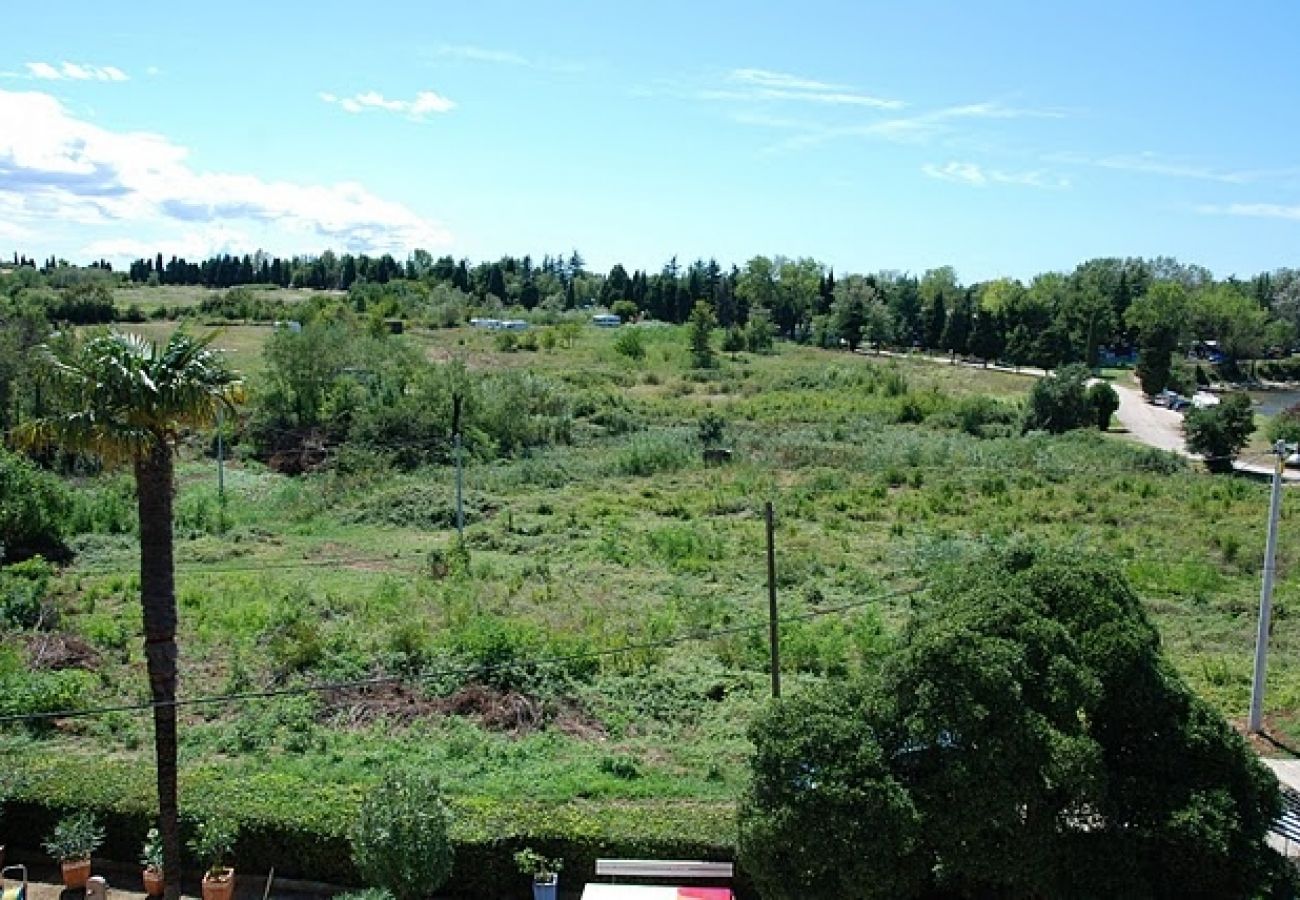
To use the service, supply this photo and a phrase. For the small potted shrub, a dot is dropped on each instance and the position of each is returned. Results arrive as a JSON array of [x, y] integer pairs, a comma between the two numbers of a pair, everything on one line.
[[71, 843], [545, 873], [151, 857], [212, 843]]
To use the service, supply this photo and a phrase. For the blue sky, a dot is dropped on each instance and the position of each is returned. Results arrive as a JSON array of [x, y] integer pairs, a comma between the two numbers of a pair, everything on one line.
[[1003, 138]]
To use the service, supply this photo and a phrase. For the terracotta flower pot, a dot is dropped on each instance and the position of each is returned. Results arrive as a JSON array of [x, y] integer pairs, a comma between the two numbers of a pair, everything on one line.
[[153, 882], [219, 887], [76, 874]]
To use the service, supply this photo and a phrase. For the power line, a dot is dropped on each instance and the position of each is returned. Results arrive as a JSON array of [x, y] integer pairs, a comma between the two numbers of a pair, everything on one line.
[[379, 681]]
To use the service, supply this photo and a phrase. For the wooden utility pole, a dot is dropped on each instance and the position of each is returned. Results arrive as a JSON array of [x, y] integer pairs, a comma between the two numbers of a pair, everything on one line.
[[774, 633]]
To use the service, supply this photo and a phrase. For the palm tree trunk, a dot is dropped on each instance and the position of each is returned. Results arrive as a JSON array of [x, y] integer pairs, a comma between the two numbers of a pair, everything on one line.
[[153, 488]]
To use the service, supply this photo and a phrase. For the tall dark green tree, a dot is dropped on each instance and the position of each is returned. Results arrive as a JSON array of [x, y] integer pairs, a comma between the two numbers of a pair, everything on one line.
[[936, 317], [956, 328], [1026, 738], [986, 337]]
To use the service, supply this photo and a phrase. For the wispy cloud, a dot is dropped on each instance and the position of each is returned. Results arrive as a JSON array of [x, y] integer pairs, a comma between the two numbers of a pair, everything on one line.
[[480, 54], [978, 176], [914, 128], [492, 56], [1254, 210], [1150, 163], [57, 169], [783, 80], [424, 103], [765, 86], [74, 72]]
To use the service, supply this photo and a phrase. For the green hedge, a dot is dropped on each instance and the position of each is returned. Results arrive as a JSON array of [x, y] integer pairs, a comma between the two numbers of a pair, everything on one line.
[[300, 827]]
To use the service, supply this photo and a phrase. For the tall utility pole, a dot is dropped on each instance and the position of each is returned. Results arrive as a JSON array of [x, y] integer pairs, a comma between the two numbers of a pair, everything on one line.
[[460, 476], [1255, 722], [221, 457], [774, 632]]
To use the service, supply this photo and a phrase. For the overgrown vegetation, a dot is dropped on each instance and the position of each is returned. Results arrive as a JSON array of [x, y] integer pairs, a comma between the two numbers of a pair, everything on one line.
[[580, 671]]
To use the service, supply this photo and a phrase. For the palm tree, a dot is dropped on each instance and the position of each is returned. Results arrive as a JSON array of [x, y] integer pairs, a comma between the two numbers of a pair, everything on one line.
[[124, 400]]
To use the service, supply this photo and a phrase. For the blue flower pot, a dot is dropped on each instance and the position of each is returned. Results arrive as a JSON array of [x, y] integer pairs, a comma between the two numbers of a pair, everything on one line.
[[546, 891]]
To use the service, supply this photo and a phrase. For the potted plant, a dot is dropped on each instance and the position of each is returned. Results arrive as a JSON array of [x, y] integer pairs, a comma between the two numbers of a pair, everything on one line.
[[212, 843], [544, 871], [151, 857], [71, 842]]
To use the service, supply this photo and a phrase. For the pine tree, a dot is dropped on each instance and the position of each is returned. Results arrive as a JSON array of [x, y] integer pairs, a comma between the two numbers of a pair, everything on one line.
[[986, 339], [496, 282], [702, 322]]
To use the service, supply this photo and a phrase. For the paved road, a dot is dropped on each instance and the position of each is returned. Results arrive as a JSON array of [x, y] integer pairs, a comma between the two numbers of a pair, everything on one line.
[[1152, 425]]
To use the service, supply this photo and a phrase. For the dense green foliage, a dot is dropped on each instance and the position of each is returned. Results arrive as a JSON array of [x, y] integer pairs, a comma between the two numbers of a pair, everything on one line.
[[1059, 402], [1026, 738], [400, 841], [325, 385], [1285, 426], [1219, 432], [34, 509], [212, 844], [702, 323], [75, 838], [1102, 401]]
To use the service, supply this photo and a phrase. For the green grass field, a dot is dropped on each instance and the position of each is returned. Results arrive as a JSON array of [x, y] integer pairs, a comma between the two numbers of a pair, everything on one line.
[[625, 536]]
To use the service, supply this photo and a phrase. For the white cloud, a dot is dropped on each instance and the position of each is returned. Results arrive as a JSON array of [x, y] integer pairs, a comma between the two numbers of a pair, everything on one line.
[[1254, 210], [957, 171], [472, 53], [764, 86], [915, 128], [978, 176], [190, 243], [56, 170], [1150, 163], [769, 79], [424, 103], [74, 72], [991, 109]]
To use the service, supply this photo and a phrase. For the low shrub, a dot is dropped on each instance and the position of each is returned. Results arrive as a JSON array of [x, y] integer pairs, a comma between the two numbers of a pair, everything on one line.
[[651, 455], [34, 506], [23, 588], [1285, 426], [400, 841]]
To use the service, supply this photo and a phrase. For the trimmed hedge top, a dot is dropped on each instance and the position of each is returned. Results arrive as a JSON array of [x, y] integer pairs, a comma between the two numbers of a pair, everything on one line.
[[301, 827]]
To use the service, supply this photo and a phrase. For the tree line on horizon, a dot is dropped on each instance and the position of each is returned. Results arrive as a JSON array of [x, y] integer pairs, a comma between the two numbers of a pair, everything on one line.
[[1133, 307]]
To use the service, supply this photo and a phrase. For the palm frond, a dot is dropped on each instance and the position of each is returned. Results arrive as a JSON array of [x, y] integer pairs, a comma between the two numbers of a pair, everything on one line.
[[120, 395]]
